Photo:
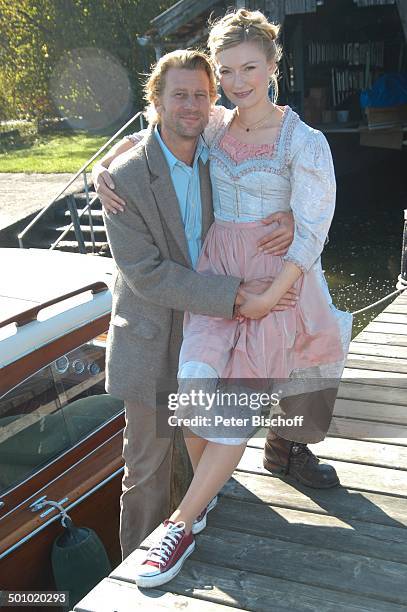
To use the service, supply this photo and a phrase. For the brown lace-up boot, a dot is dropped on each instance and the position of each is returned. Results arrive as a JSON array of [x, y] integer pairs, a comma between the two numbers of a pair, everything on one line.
[[294, 461]]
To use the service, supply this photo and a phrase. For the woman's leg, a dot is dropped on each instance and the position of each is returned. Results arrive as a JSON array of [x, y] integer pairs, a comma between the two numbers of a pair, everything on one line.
[[195, 447], [193, 376], [217, 463], [212, 462]]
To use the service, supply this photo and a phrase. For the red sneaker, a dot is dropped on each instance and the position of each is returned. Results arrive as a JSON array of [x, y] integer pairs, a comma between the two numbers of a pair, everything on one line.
[[165, 559], [199, 523]]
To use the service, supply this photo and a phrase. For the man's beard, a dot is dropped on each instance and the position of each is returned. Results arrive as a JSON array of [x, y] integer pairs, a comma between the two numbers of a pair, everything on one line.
[[190, 131]]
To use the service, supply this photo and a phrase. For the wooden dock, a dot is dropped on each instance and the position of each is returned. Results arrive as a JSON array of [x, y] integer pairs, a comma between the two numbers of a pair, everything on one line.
[[272, 546]]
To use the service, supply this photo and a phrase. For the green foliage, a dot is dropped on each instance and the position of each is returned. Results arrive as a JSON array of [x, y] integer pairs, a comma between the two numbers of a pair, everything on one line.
[[37, 35]]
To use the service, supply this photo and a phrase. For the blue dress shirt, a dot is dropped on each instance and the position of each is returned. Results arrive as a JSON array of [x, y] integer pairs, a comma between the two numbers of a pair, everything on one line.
[[188, 190]]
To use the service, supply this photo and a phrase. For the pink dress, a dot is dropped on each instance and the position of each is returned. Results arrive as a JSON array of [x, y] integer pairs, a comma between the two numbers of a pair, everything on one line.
[[249, 183]]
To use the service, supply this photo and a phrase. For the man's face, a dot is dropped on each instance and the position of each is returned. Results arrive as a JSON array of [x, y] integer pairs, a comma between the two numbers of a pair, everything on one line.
[[185, 103]]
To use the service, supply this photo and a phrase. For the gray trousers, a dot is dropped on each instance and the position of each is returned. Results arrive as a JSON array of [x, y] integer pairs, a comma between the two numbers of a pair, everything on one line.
[[145, 500]]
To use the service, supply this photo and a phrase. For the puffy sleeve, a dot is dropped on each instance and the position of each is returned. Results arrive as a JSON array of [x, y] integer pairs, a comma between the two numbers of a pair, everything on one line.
[[136, 137], [313, 192], [219, 116]]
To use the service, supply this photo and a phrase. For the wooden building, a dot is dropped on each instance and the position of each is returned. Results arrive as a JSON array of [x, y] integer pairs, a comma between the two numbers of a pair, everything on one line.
[[333, 49]]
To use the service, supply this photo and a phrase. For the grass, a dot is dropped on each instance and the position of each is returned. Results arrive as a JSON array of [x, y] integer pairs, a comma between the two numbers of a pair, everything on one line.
[[51, 153]]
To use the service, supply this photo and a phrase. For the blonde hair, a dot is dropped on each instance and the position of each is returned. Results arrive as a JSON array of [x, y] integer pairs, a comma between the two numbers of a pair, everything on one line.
[[247, 26], [187, 59]]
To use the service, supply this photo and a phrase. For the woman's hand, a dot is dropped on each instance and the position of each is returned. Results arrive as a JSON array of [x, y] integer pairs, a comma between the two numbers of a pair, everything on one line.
[[259, 285], [289, 300], [103, 182], [280, 289], [104, 186]]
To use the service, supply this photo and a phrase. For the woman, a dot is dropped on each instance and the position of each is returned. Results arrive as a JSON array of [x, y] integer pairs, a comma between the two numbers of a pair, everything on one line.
[[263, 159]]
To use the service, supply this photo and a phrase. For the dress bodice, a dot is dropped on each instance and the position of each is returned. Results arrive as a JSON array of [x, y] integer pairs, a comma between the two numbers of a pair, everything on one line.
[[246, 180], [296, 174]]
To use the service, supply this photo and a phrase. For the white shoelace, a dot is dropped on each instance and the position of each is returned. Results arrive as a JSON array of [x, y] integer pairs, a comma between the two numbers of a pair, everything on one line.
[[161, 551]]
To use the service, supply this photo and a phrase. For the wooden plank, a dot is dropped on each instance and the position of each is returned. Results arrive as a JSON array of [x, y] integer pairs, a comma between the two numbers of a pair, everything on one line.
[[384, 580], [380, 338], [386, 328], [357, 429], [362, 451], [399, 297], [386, 413], [387, 317], [306, 564], [111, 594], [322, 531], [397, 308], [339, 502], [372, 431], [392, 367], [352, 475], [179, 14], [376, 377], [354, 451], [379, 350], [342, 549], [257, 592], [363, 392]]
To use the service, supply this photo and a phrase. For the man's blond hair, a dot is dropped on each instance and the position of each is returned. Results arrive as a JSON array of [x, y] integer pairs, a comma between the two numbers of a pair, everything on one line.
[[187, 59]]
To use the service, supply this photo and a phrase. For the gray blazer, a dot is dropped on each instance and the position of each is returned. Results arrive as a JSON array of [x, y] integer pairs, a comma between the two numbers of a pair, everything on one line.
[[155, 282]]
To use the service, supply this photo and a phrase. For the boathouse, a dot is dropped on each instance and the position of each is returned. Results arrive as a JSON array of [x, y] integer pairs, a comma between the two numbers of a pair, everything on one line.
[[333, 50]]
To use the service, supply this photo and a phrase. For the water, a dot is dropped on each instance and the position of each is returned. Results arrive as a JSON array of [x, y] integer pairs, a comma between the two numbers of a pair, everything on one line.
[[362, 258]]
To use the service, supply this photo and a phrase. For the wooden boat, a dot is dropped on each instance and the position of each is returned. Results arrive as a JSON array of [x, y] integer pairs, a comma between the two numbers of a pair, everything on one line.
[[60, 433]]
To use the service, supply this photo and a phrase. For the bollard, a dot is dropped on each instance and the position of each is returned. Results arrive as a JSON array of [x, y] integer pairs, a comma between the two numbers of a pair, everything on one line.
[[403, 272]]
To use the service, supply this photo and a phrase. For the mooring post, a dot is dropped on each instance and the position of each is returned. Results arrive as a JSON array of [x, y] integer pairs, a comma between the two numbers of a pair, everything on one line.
[[403, 272]]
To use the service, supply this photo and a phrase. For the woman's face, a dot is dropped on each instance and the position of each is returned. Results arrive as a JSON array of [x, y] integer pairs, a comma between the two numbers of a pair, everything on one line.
[[244, 74]]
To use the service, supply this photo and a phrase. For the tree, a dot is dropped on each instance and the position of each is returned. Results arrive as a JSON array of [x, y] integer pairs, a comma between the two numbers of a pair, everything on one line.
[[38, 36]]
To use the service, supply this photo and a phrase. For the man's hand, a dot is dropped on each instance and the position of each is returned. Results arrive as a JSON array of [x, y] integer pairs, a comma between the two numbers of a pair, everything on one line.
[[240, 299], [254, 307], [278, 241], [104, 186]]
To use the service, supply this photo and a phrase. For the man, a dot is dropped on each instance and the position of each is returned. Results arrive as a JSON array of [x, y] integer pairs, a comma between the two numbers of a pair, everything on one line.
[[155, 243]]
